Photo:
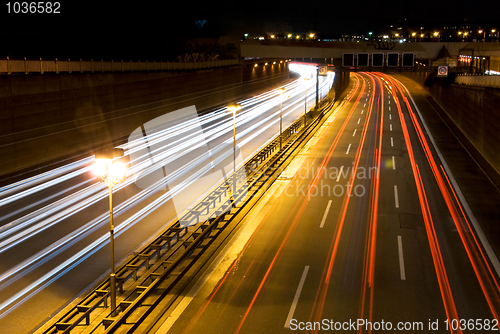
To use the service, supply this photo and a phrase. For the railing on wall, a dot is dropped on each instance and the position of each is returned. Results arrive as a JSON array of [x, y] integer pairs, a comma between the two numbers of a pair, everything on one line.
[[479, 80], [24, 66]]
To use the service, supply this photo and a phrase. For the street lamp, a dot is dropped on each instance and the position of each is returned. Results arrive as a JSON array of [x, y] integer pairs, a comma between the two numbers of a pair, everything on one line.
[[281, 91], [233, 107], [306, 80], [111, 172]]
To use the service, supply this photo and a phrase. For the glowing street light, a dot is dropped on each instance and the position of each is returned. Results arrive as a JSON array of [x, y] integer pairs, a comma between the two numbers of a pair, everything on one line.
[[111, 172], [306, 81], [281, 91], [233, 107]]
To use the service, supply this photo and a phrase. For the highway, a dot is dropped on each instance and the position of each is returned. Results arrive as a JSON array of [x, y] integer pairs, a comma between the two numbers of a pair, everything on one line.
[[54, 227], [364, 232]]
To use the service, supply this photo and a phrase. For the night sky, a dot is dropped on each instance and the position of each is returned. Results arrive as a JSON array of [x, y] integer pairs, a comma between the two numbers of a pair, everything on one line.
[[144, 29]]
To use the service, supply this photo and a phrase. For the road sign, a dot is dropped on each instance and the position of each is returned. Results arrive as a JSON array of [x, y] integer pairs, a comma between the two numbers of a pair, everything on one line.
[[363, 60], [348, 59], [393, 59], [442, 71], [408, 59], [377, 59], [323, 70]]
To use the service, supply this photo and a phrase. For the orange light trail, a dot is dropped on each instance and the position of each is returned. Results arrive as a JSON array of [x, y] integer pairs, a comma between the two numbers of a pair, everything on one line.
[[480, 265], [444, 284], [323, 289], [369, 268], [305, 202], [216, 290]]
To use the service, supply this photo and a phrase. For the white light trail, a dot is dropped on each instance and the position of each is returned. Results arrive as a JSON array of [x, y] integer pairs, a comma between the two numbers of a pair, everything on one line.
[[259, 114]]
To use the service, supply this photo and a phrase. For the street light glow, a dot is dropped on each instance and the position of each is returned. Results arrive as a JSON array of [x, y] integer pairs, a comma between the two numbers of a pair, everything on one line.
[[117, 171], [233, 107], [109, 171], [99, 167]]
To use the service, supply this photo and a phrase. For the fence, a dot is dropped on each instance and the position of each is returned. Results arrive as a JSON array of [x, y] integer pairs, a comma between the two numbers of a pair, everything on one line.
[[20, 66], [479, 80]]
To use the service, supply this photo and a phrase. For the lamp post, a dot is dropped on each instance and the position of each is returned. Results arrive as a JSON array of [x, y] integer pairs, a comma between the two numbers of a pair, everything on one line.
[[111, 172], [233, 107], [281, 91], [306, 81]]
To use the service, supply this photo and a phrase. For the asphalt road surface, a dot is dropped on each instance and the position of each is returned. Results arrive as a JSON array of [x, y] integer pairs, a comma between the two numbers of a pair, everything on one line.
[[365, 234]]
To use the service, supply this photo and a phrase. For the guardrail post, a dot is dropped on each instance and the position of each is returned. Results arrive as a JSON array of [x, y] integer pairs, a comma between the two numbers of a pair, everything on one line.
[[122, 64], [57, 67], [8, 65], [112, 66], [102, 66], [41, 67], [81, 66], [92, 65], [69, 65], [25, 66]]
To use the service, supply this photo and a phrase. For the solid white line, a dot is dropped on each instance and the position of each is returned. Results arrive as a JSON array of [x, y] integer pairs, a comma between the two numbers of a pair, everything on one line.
[[348, 148], [401, 260], [359, 120], [296, 298], [325, 214], [354, 132], [340, 173], [396, 199], [393, 163], [392, 142]]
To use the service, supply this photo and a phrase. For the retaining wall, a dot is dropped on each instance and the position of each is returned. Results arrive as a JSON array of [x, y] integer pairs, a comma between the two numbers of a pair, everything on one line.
[[46, 118]]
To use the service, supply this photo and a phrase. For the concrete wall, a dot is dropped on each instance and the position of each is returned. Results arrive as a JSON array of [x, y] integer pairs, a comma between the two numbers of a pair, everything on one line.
[[49, 117], [342, 79], [474, 112]]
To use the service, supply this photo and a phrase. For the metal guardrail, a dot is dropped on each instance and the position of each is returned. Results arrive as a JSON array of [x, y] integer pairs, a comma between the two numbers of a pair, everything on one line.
[[25, 66], [175, 251]]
